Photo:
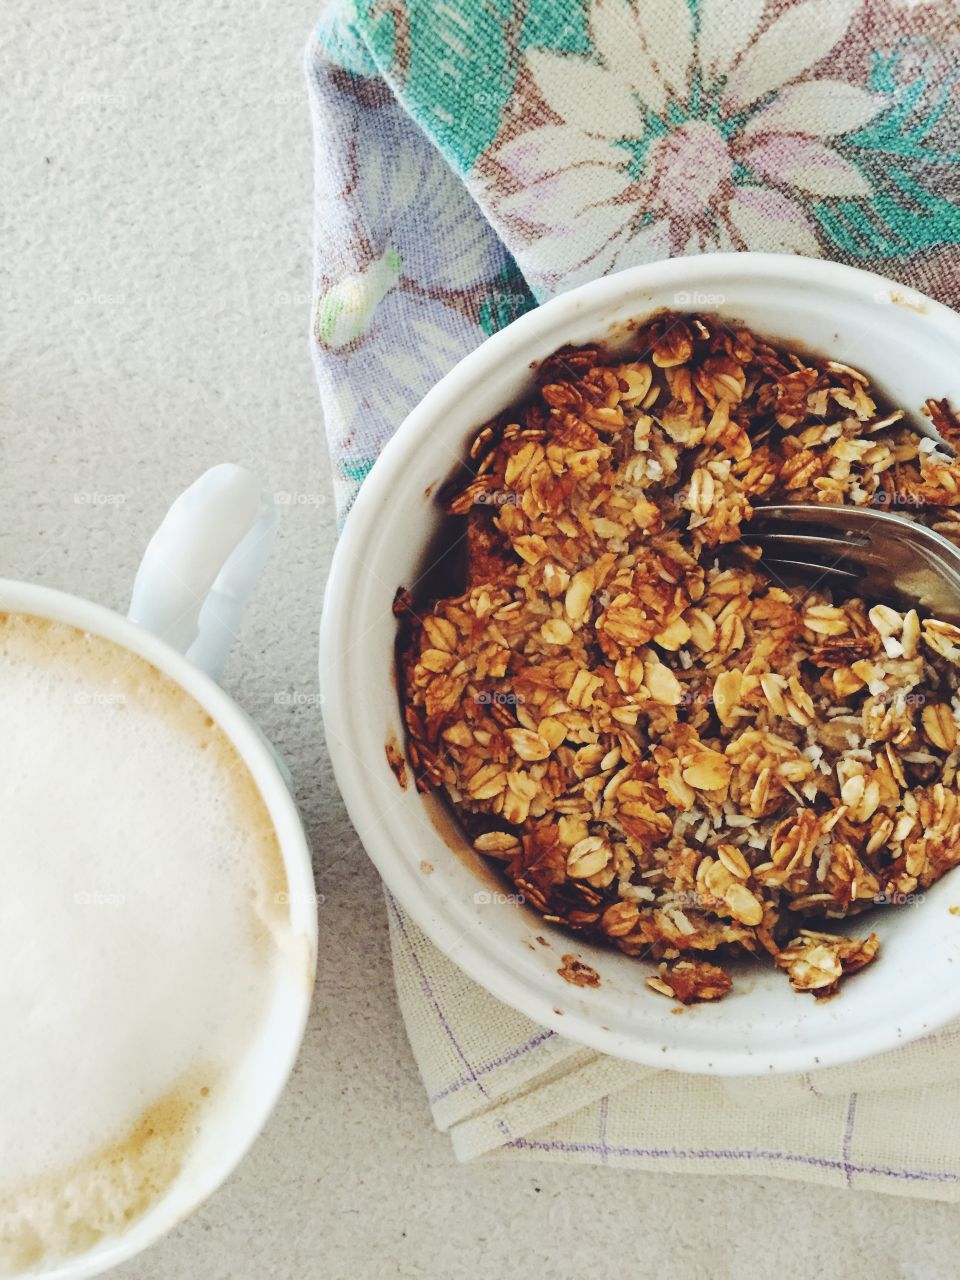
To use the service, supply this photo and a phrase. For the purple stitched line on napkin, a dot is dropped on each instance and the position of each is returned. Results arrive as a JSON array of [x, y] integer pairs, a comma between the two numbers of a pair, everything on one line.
[[848, 1137], [653, 1153], [428, 992], [492, 1065], [810, 1086], [924, 1175], [604, 1109]]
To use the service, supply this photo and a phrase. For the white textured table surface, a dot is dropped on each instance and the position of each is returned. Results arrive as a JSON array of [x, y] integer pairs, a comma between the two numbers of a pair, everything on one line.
[[155, 182]]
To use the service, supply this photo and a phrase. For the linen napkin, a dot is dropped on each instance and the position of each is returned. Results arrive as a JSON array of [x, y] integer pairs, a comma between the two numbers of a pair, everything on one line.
[[476, 156]]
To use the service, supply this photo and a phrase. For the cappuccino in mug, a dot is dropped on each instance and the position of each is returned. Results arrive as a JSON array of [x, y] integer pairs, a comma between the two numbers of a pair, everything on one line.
[[143, 917]]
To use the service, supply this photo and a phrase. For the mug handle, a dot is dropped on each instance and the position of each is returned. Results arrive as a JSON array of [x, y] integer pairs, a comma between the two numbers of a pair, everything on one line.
[[202, 563]]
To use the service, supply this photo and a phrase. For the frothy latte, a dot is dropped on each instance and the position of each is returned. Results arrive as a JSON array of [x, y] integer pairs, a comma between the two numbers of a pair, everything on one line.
[[142, 920]]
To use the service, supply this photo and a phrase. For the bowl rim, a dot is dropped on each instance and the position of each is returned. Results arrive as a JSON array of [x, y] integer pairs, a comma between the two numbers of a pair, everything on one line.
[[495, 975]]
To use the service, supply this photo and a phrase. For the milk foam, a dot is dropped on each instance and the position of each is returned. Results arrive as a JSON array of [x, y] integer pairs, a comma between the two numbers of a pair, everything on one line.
[[141, 892]]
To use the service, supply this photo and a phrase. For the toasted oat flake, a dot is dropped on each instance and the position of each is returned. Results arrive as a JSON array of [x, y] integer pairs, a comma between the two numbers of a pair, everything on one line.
[[666, 749], [577, 973], [556, 631], [397, 762]]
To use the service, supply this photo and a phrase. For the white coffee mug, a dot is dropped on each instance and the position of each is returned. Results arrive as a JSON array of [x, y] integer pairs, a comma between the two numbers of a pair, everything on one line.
[[193, 581]]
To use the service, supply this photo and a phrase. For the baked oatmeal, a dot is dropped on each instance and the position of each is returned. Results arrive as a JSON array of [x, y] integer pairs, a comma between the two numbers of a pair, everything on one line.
[[666, 747]]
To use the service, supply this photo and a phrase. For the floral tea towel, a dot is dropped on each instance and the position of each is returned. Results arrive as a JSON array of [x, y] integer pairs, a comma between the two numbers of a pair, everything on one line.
[[476, 156]]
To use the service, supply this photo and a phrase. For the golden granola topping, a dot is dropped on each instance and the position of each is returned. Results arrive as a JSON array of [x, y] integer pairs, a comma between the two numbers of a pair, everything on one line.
[[691, 980], [665, 748]]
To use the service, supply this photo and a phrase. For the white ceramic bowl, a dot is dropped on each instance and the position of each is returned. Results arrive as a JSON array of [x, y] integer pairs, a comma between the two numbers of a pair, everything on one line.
[[910, 346]]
